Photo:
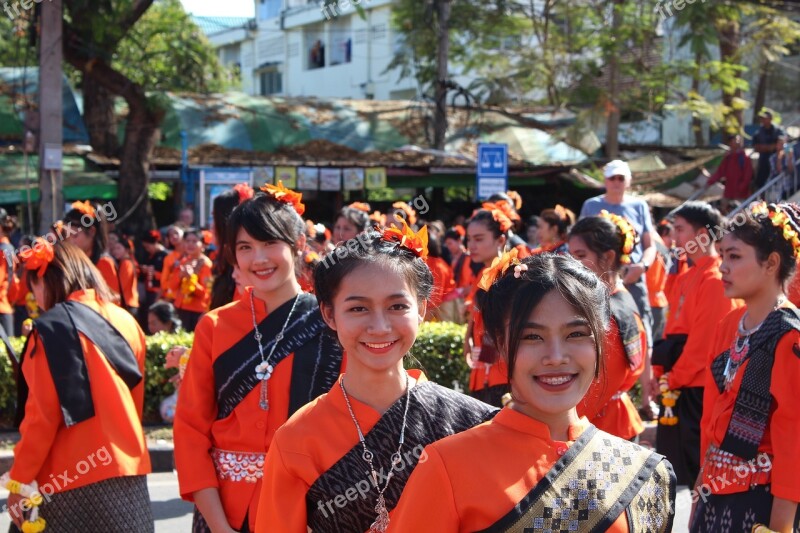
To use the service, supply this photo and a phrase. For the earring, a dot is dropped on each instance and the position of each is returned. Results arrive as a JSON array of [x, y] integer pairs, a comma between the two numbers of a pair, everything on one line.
[[421, 318]]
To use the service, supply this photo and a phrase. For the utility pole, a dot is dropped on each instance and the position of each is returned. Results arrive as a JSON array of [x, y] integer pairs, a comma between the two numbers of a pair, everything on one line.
[[612, 125], [51, 187], [442, 53]]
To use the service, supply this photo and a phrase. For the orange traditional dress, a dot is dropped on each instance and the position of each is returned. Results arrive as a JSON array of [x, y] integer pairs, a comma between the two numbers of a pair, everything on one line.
[[315, 475], [607, 404], [81, 436], [6, 283], [223, 425], [171, 264], [510, 475], [443, 281], [129, 290], [192, 293], [750, 422], [108, 268], [558, 247], [488, 379], [656, 281]]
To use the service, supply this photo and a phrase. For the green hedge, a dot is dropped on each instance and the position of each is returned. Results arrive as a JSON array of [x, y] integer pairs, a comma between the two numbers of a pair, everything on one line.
[[438, 351]]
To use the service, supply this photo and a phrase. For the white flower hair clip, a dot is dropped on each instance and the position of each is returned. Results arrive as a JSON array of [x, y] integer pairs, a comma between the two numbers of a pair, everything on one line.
[[519, 269]]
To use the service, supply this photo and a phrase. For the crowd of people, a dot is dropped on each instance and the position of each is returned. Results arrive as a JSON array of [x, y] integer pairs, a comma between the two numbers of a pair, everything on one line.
[[295, 410]]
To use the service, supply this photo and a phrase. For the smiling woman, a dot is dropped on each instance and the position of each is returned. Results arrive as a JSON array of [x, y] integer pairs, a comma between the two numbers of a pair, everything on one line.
[[537, 466]]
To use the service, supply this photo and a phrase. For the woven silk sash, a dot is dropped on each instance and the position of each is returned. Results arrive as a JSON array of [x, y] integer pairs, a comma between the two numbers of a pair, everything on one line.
[[623, 310], [599, 478]]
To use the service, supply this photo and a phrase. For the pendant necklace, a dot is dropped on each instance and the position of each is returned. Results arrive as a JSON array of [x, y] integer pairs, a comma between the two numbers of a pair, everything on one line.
[[741, 346], [264, 368], [381, 523]]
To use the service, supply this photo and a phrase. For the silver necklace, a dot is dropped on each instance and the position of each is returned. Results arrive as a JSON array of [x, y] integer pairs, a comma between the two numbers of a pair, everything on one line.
[[381, 523], [741, 346], [747, 332], [264, 368]]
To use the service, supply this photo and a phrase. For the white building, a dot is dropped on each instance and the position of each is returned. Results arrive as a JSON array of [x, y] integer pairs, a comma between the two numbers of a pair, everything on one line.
[[303, 48], [233, 38]]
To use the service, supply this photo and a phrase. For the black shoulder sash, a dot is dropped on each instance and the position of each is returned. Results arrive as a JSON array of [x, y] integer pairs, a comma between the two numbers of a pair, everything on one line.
[[597, 480], [754, 400], [434, 413], [317, 360], [58, 330], [623, 309]]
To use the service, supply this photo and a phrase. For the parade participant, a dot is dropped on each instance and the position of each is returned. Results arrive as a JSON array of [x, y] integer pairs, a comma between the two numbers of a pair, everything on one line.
[[90, 234], [443, 282], [163, 317], [254, 362], [83, 366], [487, 236], [20, 294], [123, 253], [172, 261], [379, 416], [554, 225], [223, 290], [750, 419], [151, 266], [603, 244], [350, 221], [191, 281], [701, 305], [537, 466], [7, 226]]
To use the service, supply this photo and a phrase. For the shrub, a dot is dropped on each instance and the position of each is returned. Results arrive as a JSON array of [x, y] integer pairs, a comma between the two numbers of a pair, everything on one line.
[[439, 350]]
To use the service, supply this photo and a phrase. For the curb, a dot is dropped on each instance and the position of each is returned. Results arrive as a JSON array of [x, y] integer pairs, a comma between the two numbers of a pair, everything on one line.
[[161, 457]]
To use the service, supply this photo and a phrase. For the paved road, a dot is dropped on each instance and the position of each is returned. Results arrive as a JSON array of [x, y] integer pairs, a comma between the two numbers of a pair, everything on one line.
[[175, 516]]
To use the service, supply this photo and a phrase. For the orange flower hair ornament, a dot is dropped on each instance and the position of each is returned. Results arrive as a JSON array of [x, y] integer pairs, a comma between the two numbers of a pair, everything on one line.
[[516, 198], [504, 208], [37, 256], [378, 217], [498, 269], [244, 191], [781, 220], [85, 208], [417, 242], [286, 196], [629, 236], [502, 220], [411, 215], [361, 206], [458, 228]]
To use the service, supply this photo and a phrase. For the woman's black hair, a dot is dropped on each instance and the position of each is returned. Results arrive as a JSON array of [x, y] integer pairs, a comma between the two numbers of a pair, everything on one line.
[[507, 306], [664, 227], [370, 248], [486, 217], [760, 233], [701, 215], [453, 234], [563, 219], [100, 241], [264, 219], [600, 235], [7, 223], [224, 287], [165, 312], [434, 247], [357, 217]]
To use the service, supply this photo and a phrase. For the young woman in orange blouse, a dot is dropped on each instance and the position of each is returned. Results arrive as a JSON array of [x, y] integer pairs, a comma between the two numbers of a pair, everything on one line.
[[554, 225], [254, 363], [537, 466], [82, 446], [122, 251], [342, 461], [7, 226], [603, 244], [191, 281], [750, 418]]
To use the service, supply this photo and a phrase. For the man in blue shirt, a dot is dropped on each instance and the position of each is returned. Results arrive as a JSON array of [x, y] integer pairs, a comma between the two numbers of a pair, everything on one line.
[[764, 142]]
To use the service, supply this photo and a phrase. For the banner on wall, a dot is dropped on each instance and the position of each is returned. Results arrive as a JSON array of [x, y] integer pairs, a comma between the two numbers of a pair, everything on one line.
[[353, 179], [263, 175], [288, 175], [308, 178], [376, 178], [330, 179]]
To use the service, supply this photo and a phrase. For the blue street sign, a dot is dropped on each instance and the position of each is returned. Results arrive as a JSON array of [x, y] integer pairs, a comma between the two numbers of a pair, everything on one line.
[[492, 160]]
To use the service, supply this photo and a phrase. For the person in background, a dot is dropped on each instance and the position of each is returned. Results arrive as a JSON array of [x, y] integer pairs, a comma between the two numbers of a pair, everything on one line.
[[83, 368], [150, 269], [532, 232], [765, 142], [463, 275], [656, 279], [20, 294], [443, 283], [553, 228], [191, 281], [185, 219], [127, 272], [782, 161], [350, 221], [172, 261], [223, 291], [736, 170], [7, 226], [162, 316]]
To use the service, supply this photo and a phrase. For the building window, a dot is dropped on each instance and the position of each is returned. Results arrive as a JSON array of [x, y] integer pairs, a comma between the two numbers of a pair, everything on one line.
[[314, 42], [341, 40], [271, 82], [269, 9]]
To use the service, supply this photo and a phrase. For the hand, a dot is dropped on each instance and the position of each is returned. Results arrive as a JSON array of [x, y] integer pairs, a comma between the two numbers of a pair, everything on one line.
[[27, 327], [475, 355], [15, 510], [173, 357], [633, 273]]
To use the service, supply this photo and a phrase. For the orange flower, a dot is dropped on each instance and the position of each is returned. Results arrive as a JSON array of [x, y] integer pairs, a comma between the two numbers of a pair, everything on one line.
[[38, 255], [84, 207], [378, 217], [411, 215], [502, 220], [458, 228], [244, 190], [498, 269], [286, 196], [504, 208], [516, 198], [361, 206], [417, 242]]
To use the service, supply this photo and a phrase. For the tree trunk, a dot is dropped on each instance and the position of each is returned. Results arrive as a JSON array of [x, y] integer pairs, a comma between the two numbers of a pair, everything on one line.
[[697, 122], [98, 115], [761, 90], [612, 125], [442, 52], [729, 38], [142, 133]]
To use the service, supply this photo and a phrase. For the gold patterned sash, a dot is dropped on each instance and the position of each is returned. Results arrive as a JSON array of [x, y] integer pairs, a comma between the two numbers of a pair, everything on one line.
[[599, 478]]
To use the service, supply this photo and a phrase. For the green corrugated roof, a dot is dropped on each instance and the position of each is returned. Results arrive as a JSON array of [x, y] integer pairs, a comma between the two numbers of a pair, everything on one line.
[[81, 181]]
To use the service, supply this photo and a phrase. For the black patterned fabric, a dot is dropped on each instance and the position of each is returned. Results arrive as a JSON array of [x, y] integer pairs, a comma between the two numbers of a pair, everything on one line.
[[115, 504], [434, 413], [317, 357], [199, 524], [735, 513], [492, 395], [624, 312], [754, 400]]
